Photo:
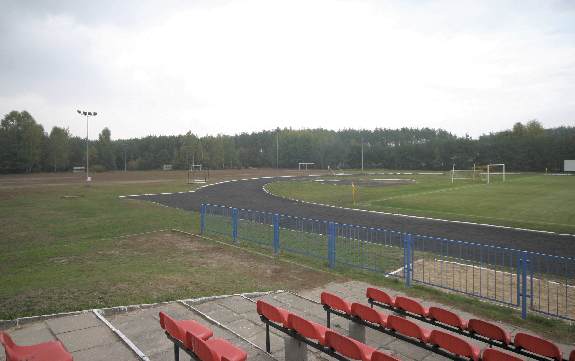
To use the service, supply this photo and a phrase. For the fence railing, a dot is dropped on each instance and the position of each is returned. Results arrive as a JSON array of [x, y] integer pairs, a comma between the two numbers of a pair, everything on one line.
[[528, 280]]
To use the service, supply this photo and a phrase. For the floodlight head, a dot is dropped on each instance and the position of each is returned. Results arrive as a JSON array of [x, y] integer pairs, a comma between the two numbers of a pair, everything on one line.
[[79, 112], [94, 113], [89, 113], [85, 113]]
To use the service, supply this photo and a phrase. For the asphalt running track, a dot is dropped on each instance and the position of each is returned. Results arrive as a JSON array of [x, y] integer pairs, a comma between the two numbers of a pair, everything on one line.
[[248, 194]]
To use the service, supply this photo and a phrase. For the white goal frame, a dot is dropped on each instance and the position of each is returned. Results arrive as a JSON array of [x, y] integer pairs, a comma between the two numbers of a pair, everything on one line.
[[306, 164], [455, 174], [490, 173]]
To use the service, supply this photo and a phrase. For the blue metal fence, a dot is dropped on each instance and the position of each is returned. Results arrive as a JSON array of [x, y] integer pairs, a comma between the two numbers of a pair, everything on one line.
[[531, 281]]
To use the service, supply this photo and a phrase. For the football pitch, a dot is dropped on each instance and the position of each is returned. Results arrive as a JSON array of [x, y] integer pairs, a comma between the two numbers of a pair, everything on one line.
[[533, 201]]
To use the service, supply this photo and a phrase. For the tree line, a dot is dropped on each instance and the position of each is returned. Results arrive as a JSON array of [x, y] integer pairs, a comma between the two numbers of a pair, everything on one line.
[[26, 147]]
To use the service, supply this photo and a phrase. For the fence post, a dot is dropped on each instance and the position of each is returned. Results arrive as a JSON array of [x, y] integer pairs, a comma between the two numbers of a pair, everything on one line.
[[524, 286], [276, 221], [203, 218], [331, 235], [234, 224], [407, 259]]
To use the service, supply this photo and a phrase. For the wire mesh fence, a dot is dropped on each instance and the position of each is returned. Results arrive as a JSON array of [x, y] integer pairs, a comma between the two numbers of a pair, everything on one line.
[[533, 281]]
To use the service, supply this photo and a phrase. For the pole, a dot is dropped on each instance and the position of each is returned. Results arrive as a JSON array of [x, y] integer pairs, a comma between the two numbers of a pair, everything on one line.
[[277, 148], [125, 167], [87, 155], [361, 155]]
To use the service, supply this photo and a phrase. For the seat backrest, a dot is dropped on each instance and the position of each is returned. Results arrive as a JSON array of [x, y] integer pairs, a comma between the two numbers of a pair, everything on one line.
[[491, 354], [406, 327], [446, 317], [572, 356], [9, 347], [335, 302], [537, 345], [172, 327], [379, 296], [489, 330], [201, 348], [343, 345], [453, 344], [272, 313], [304, 327], [6, 340], [380, 356], [410, 305], [367, 313]]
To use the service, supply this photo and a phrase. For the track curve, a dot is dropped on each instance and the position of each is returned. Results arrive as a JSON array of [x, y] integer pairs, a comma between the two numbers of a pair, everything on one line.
[[248, 194]]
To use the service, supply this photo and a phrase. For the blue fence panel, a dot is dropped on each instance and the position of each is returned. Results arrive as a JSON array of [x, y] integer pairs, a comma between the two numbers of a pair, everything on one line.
[[485, 271], [533, 281], [256, 226], [551, 285], [304, 236], [218, 220]]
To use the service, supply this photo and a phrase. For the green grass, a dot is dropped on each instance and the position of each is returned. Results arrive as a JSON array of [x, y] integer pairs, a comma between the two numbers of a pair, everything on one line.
[[528, 201]]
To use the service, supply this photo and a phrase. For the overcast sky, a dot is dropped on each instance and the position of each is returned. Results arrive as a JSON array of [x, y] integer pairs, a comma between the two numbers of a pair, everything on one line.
[[168, 67]]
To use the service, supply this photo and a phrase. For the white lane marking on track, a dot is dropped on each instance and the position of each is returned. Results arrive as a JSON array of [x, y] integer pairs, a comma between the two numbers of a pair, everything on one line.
[[426, 218]]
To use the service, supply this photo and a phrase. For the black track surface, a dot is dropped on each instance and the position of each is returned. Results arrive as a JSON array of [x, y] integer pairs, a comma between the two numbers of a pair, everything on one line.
[[248, 194]]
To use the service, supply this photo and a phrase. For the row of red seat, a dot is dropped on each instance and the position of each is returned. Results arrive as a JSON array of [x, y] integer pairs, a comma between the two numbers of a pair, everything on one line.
[[45, 351], [325, 339], [473, 328], [433, 338], [196, 339]]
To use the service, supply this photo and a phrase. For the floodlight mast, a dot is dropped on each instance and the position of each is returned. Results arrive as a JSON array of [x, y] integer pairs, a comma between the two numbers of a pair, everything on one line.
[[87, 114]]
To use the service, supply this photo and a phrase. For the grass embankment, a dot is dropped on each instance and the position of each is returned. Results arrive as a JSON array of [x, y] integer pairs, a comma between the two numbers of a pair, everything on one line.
[[527, 201]]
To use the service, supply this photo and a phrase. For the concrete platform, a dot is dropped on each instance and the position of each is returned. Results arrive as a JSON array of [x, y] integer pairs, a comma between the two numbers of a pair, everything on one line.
[[233, 318]]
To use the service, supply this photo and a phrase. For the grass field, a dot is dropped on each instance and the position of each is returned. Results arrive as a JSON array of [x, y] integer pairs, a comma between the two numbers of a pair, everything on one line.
[[62, 253], [527, 201]]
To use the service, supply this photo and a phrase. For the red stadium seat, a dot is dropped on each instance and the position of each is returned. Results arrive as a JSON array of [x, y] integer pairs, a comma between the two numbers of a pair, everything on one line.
[[380, 356], [335, 302], [412, 306], [407, 328], [348, 347], [537, 345], [380, 296], [178, 328], [368, 314], [572, 356], [447, 317], [454, 344], [46, 351], [491, 354], [307, 329], [272, 313], [215, 349], [489, 330]]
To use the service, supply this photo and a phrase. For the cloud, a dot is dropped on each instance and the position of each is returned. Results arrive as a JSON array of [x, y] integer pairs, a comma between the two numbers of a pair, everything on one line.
[[227, 67]]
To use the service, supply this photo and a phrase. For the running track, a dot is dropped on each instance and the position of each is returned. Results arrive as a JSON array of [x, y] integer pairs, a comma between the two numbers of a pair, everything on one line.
[[249, 194]]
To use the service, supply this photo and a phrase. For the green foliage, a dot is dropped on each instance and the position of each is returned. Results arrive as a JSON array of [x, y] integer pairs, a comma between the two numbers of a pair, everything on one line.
[[527, 147], [21, 141]]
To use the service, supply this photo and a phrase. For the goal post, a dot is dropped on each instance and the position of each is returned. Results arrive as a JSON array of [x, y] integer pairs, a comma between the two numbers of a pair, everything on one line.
[[491, 173], [197, 174], [462, 174]]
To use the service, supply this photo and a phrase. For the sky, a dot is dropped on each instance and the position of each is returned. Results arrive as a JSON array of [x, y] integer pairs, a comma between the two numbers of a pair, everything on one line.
[[226, 67]]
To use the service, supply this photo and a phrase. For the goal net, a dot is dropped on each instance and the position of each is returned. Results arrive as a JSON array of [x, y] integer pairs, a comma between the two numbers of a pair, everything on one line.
[[495, 172], [197, 174]]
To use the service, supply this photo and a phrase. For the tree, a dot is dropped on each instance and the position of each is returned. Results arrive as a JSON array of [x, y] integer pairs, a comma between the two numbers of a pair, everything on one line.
[[59, 148], [21, 142], [105, 150]]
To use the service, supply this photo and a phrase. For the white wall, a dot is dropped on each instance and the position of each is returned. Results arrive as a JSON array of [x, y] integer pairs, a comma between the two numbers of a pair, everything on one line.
[[569, 165]]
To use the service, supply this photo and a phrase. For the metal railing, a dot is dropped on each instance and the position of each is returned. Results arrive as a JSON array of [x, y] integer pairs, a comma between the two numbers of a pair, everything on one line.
[[532, 281]]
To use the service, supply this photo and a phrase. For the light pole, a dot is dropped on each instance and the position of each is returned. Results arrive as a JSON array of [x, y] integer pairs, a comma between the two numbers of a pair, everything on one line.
[[87, 114], [277, 148]]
